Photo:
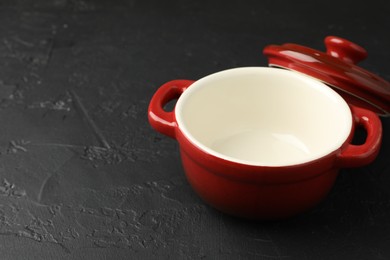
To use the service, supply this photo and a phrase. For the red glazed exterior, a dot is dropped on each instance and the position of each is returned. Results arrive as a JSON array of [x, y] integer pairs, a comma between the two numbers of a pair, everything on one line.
[[255, 192], [260, 192]]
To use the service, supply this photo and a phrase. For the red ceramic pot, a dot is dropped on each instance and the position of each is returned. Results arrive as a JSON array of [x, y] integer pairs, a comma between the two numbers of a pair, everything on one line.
[[263, 143]]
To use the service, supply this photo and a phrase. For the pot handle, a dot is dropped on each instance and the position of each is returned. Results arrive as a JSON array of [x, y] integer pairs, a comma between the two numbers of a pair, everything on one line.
[[360, 155], [161, 120]]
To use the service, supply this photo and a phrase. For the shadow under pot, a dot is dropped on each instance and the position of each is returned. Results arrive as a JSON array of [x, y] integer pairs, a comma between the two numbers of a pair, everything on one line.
[[263, 143]]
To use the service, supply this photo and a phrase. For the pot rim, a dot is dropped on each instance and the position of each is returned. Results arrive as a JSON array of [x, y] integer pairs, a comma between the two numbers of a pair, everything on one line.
[[201, 83]]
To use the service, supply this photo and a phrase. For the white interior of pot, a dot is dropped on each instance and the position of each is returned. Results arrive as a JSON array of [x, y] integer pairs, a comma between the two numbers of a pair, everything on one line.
[[263, 116]]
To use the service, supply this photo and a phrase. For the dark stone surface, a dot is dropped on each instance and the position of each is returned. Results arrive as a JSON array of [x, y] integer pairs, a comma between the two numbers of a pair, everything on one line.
[[83, 176]]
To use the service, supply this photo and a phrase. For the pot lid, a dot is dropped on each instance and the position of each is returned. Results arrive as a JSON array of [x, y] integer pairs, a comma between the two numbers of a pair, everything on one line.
[[336, 68]]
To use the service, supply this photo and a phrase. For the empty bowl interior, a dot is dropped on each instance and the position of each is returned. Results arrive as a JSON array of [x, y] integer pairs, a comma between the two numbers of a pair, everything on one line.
[[263, 116]]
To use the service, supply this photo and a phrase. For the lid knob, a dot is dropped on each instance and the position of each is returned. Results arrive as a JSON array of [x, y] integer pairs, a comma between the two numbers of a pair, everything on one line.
[[344, 49]]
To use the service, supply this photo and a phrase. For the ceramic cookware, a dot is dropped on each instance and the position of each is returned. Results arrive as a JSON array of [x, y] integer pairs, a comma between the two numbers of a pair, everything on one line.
[[266, 143]]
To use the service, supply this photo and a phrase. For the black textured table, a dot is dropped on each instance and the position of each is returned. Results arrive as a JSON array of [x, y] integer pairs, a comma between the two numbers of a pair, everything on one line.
[[83, 175]]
